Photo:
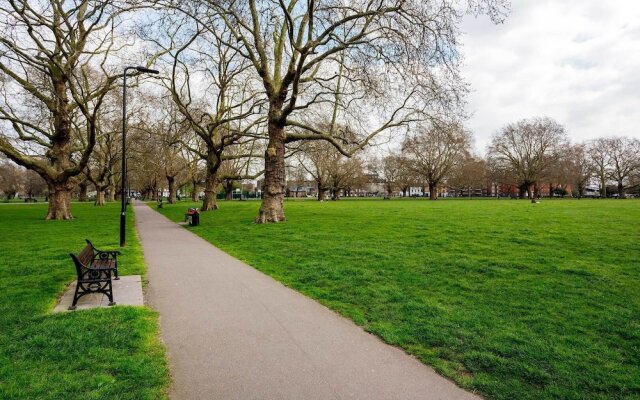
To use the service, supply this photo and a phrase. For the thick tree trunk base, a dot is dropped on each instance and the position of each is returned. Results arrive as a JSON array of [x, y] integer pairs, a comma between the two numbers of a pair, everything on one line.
[[59, 204], [82, 195], [271, 209], [209, 203], [433, 194], [99, 199]]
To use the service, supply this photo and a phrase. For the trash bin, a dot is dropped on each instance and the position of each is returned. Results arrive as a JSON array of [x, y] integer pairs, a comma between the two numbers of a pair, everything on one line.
[[193, 217]]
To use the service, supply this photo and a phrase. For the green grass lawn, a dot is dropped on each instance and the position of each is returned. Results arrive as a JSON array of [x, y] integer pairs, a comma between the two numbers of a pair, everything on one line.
[[110, 353], [511, 299]]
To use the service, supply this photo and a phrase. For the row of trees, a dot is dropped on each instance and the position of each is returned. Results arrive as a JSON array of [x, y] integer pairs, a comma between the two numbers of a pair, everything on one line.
[[242, 77], [523, 156], [14, 180]]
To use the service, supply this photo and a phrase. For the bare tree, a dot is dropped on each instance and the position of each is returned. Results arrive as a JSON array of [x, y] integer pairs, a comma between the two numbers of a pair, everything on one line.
[[11, 179], [398, 174], [469, 174], [345, 173], [212, 90], [527, 148], [624, 154], [105, 158], [435, 150], [396, 59], [579, 166], [55, 70], [315, 158], [599, 154], [390, 171]]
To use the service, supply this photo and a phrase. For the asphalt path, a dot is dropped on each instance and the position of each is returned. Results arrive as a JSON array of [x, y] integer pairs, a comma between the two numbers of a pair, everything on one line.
[[234, 333]]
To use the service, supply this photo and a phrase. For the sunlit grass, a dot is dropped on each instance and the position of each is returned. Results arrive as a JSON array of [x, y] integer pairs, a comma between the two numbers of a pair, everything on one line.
[[94, 354], [508, 298]]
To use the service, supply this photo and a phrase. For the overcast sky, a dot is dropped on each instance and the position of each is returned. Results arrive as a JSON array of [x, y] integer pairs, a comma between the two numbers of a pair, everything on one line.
[[577, 61]]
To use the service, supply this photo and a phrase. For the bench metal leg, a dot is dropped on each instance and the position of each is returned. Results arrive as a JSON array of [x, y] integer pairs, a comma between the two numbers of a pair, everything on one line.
[[109, 292], [75, 298], [115, 272]]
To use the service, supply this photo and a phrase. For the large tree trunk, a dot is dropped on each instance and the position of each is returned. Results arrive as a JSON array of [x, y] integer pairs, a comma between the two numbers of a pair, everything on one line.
[[321, 194], [603, 185], [171, 180], [621, 192], [59, 201], [523, 189], [110, 194], [82, 194], [99, 197], [211, 182], [433, 195], [272, 207], [228, 189], [194, 192]]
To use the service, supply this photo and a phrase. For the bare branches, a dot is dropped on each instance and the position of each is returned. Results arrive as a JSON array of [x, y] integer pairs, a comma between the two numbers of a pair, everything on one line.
[[528, 147]]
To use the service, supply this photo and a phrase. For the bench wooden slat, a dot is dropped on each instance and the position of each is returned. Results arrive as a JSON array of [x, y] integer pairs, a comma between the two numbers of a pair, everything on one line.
[[86, 255]]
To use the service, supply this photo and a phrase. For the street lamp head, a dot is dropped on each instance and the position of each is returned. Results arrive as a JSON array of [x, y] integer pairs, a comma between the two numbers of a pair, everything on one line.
[[147, 70]]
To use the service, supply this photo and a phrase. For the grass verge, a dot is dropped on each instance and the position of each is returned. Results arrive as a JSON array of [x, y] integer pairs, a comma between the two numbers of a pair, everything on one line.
[[508, 298], [94, 354]]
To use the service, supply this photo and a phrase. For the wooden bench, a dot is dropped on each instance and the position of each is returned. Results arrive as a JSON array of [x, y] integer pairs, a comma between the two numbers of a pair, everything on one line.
[[94, 268]]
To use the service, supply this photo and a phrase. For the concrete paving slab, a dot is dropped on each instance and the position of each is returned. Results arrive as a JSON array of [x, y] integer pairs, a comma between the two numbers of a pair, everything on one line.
[[127, 291], [234, 333]]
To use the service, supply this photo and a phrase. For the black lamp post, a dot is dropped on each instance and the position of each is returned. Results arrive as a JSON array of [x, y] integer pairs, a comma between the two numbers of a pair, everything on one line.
[[123, 204]]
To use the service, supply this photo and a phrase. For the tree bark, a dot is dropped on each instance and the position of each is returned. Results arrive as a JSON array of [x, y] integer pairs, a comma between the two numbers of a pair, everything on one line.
[[603, 185], [171, 180], [321, 194], [210, 194], [272, 207], [99, 198], [228, 190], [621, 192], [110, 194], [59, 201], [523, 189], [194, 192], [433, 195], [82, 194]]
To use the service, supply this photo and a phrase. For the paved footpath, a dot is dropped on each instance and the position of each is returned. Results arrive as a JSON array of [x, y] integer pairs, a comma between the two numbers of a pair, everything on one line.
[[234, 333]]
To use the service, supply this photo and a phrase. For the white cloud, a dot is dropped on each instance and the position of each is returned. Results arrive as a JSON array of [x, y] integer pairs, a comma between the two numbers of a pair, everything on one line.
[[577, 61]]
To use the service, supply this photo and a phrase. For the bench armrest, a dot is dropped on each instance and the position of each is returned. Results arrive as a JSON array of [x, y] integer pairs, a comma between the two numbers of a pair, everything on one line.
[[103, 253]]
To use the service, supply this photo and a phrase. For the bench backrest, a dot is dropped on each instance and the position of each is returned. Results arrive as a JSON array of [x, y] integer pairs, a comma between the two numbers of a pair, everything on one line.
[[83, 260]]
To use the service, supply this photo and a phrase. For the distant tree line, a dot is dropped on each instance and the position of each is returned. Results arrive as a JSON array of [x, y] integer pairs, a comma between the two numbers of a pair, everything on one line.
[[523, 157]]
